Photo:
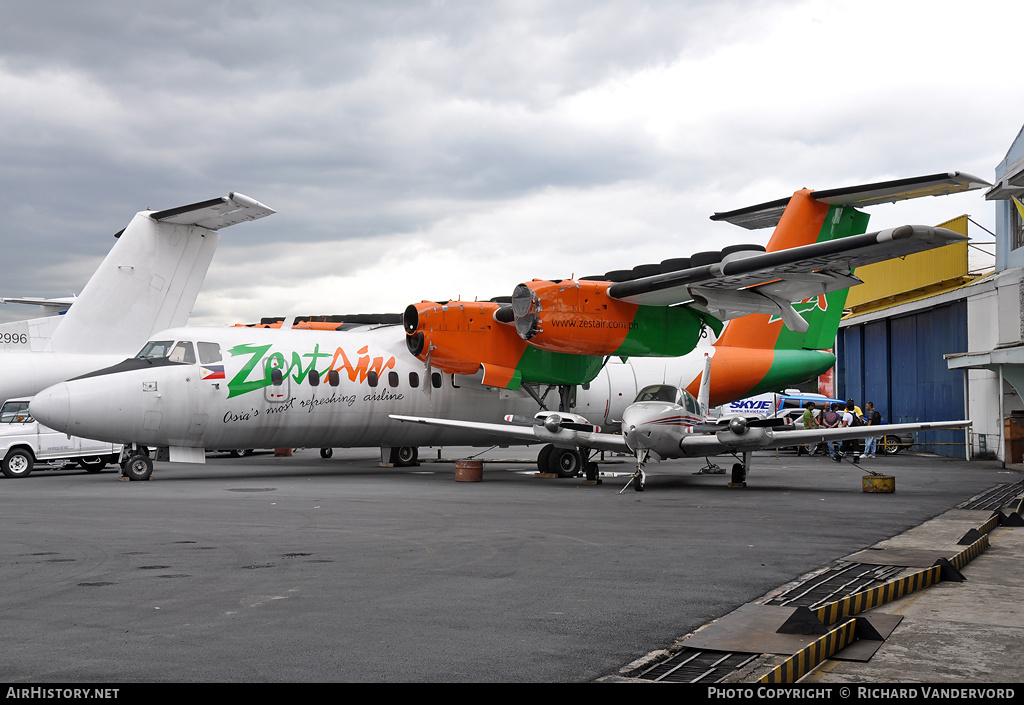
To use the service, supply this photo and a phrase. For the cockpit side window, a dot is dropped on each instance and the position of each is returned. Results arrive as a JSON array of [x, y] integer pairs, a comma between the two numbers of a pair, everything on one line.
[[209, 353], [155, 349], [183, 353]]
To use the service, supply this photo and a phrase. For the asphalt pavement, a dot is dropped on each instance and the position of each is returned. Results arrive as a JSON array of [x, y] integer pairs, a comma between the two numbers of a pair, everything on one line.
[[300, 569]]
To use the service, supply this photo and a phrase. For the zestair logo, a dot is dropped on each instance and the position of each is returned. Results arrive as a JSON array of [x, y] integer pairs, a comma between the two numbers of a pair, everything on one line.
[[806, 307], [257, 371]]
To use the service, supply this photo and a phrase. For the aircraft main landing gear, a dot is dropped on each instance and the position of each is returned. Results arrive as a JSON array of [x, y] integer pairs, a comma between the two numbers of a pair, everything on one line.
[[137, 467]]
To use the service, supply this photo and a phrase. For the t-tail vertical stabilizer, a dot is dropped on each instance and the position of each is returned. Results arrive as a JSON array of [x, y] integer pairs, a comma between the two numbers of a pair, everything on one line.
[[150, 278], [759, 350]]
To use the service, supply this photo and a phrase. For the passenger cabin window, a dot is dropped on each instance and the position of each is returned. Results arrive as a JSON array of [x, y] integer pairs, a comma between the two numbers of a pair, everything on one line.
[[209, 353], [314, 378], [183, 352], [333, 378], [393, 379], [15, 412], [435, 380], [414, 380], [371, 378]]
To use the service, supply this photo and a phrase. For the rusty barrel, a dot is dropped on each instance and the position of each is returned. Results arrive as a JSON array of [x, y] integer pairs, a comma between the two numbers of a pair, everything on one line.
[[469, 470]]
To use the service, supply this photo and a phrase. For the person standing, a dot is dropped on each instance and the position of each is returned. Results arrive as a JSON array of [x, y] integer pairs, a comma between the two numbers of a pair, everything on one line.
[[809, 422], [832, 420], [871, 418]]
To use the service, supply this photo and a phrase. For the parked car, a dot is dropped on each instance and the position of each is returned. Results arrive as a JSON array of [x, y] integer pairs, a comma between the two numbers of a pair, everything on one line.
[[890, 444], [24, 442]]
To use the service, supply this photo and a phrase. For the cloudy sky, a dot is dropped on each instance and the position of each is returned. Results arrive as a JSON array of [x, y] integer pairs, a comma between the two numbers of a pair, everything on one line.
[[428, 150]]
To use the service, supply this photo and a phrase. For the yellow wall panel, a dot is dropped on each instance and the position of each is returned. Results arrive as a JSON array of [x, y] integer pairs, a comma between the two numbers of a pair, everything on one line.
[[885, 280]]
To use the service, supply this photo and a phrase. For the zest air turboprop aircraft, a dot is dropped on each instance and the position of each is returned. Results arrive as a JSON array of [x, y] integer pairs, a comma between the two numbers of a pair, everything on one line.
[[562, 331], [667, 422], [195, 388], [148, 281]]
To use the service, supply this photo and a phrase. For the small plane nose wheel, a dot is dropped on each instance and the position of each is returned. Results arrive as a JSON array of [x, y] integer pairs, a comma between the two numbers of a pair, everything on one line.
[[639, 478]]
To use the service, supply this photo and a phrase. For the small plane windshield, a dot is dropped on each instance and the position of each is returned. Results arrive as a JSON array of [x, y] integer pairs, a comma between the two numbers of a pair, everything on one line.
[[659, 392]]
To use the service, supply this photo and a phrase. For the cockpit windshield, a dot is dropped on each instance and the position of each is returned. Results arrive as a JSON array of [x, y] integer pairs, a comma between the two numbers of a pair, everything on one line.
[[155, 349], [181, 352]]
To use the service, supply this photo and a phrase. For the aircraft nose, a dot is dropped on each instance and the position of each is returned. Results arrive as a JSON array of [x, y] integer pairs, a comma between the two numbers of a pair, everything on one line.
[[52, 407]]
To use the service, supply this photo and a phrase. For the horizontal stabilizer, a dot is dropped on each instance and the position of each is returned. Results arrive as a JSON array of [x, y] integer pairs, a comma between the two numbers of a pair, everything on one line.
[[216, 213], [53, 305], [766, 215]]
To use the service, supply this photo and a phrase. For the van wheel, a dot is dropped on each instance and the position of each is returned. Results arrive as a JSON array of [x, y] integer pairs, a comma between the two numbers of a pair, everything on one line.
[[18, 463], [138, 467], [94, 463]]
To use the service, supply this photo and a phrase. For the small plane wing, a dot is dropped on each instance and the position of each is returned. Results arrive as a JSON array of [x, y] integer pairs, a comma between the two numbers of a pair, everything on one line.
[[563, 437], [765, 215], [747, 282], [725, 442], [216, 213]]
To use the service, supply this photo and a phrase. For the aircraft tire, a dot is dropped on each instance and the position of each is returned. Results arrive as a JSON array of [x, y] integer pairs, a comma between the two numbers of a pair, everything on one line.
[[405, 456], [240, 453], [18, 463], [326, 452], [138, 467], [565, 462], [543, 458], [92, 463]]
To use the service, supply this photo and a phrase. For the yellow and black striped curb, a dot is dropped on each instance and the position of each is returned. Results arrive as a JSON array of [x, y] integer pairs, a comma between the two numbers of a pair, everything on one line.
[[892, 590], [971, 552], [808, 658], [802, 662]]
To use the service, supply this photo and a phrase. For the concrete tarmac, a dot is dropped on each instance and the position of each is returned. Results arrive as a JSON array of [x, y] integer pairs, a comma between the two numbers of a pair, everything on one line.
[[299, 569]]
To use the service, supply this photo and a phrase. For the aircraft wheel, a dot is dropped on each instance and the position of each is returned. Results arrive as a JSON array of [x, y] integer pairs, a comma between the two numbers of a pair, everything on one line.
[[138, 467], [405, 456], [638, 484], [565, 462], [739, 473], [591, 471], [891, 445], [544, 458], [94, 463], [326, 452], [240, 453], [18, 463]]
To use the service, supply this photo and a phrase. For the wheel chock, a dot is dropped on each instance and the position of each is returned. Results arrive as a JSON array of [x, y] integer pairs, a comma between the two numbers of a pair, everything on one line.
[[803, 621]]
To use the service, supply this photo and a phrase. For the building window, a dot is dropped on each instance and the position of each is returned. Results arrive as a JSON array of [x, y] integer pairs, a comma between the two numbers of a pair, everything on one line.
[[1016, 227]]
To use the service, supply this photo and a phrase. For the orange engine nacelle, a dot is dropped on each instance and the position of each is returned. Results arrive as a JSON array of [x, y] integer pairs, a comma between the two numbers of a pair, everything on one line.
[[571, 316], [459, 336]]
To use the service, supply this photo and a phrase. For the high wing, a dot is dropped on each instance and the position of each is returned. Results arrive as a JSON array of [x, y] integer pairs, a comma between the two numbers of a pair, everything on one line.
[[747, 282], [562, 437], [726, 441]]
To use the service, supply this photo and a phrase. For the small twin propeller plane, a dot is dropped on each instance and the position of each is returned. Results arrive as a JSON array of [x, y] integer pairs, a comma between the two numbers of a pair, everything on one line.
[[665, 422]]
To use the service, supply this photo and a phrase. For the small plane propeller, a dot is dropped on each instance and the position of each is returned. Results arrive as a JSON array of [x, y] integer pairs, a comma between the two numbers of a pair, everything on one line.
[[552, 422]]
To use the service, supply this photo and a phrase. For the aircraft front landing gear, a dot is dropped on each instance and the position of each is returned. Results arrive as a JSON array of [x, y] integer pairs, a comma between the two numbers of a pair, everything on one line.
[[137, 467]]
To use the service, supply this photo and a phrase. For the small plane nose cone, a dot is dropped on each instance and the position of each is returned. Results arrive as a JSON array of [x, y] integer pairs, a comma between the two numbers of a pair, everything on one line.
[[52, 406]]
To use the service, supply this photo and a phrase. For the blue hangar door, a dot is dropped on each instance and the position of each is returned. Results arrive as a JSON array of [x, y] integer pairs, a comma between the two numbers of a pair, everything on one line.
[[898, 364]]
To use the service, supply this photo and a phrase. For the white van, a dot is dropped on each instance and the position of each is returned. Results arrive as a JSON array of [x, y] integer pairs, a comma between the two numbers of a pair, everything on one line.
[[24, 441]]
